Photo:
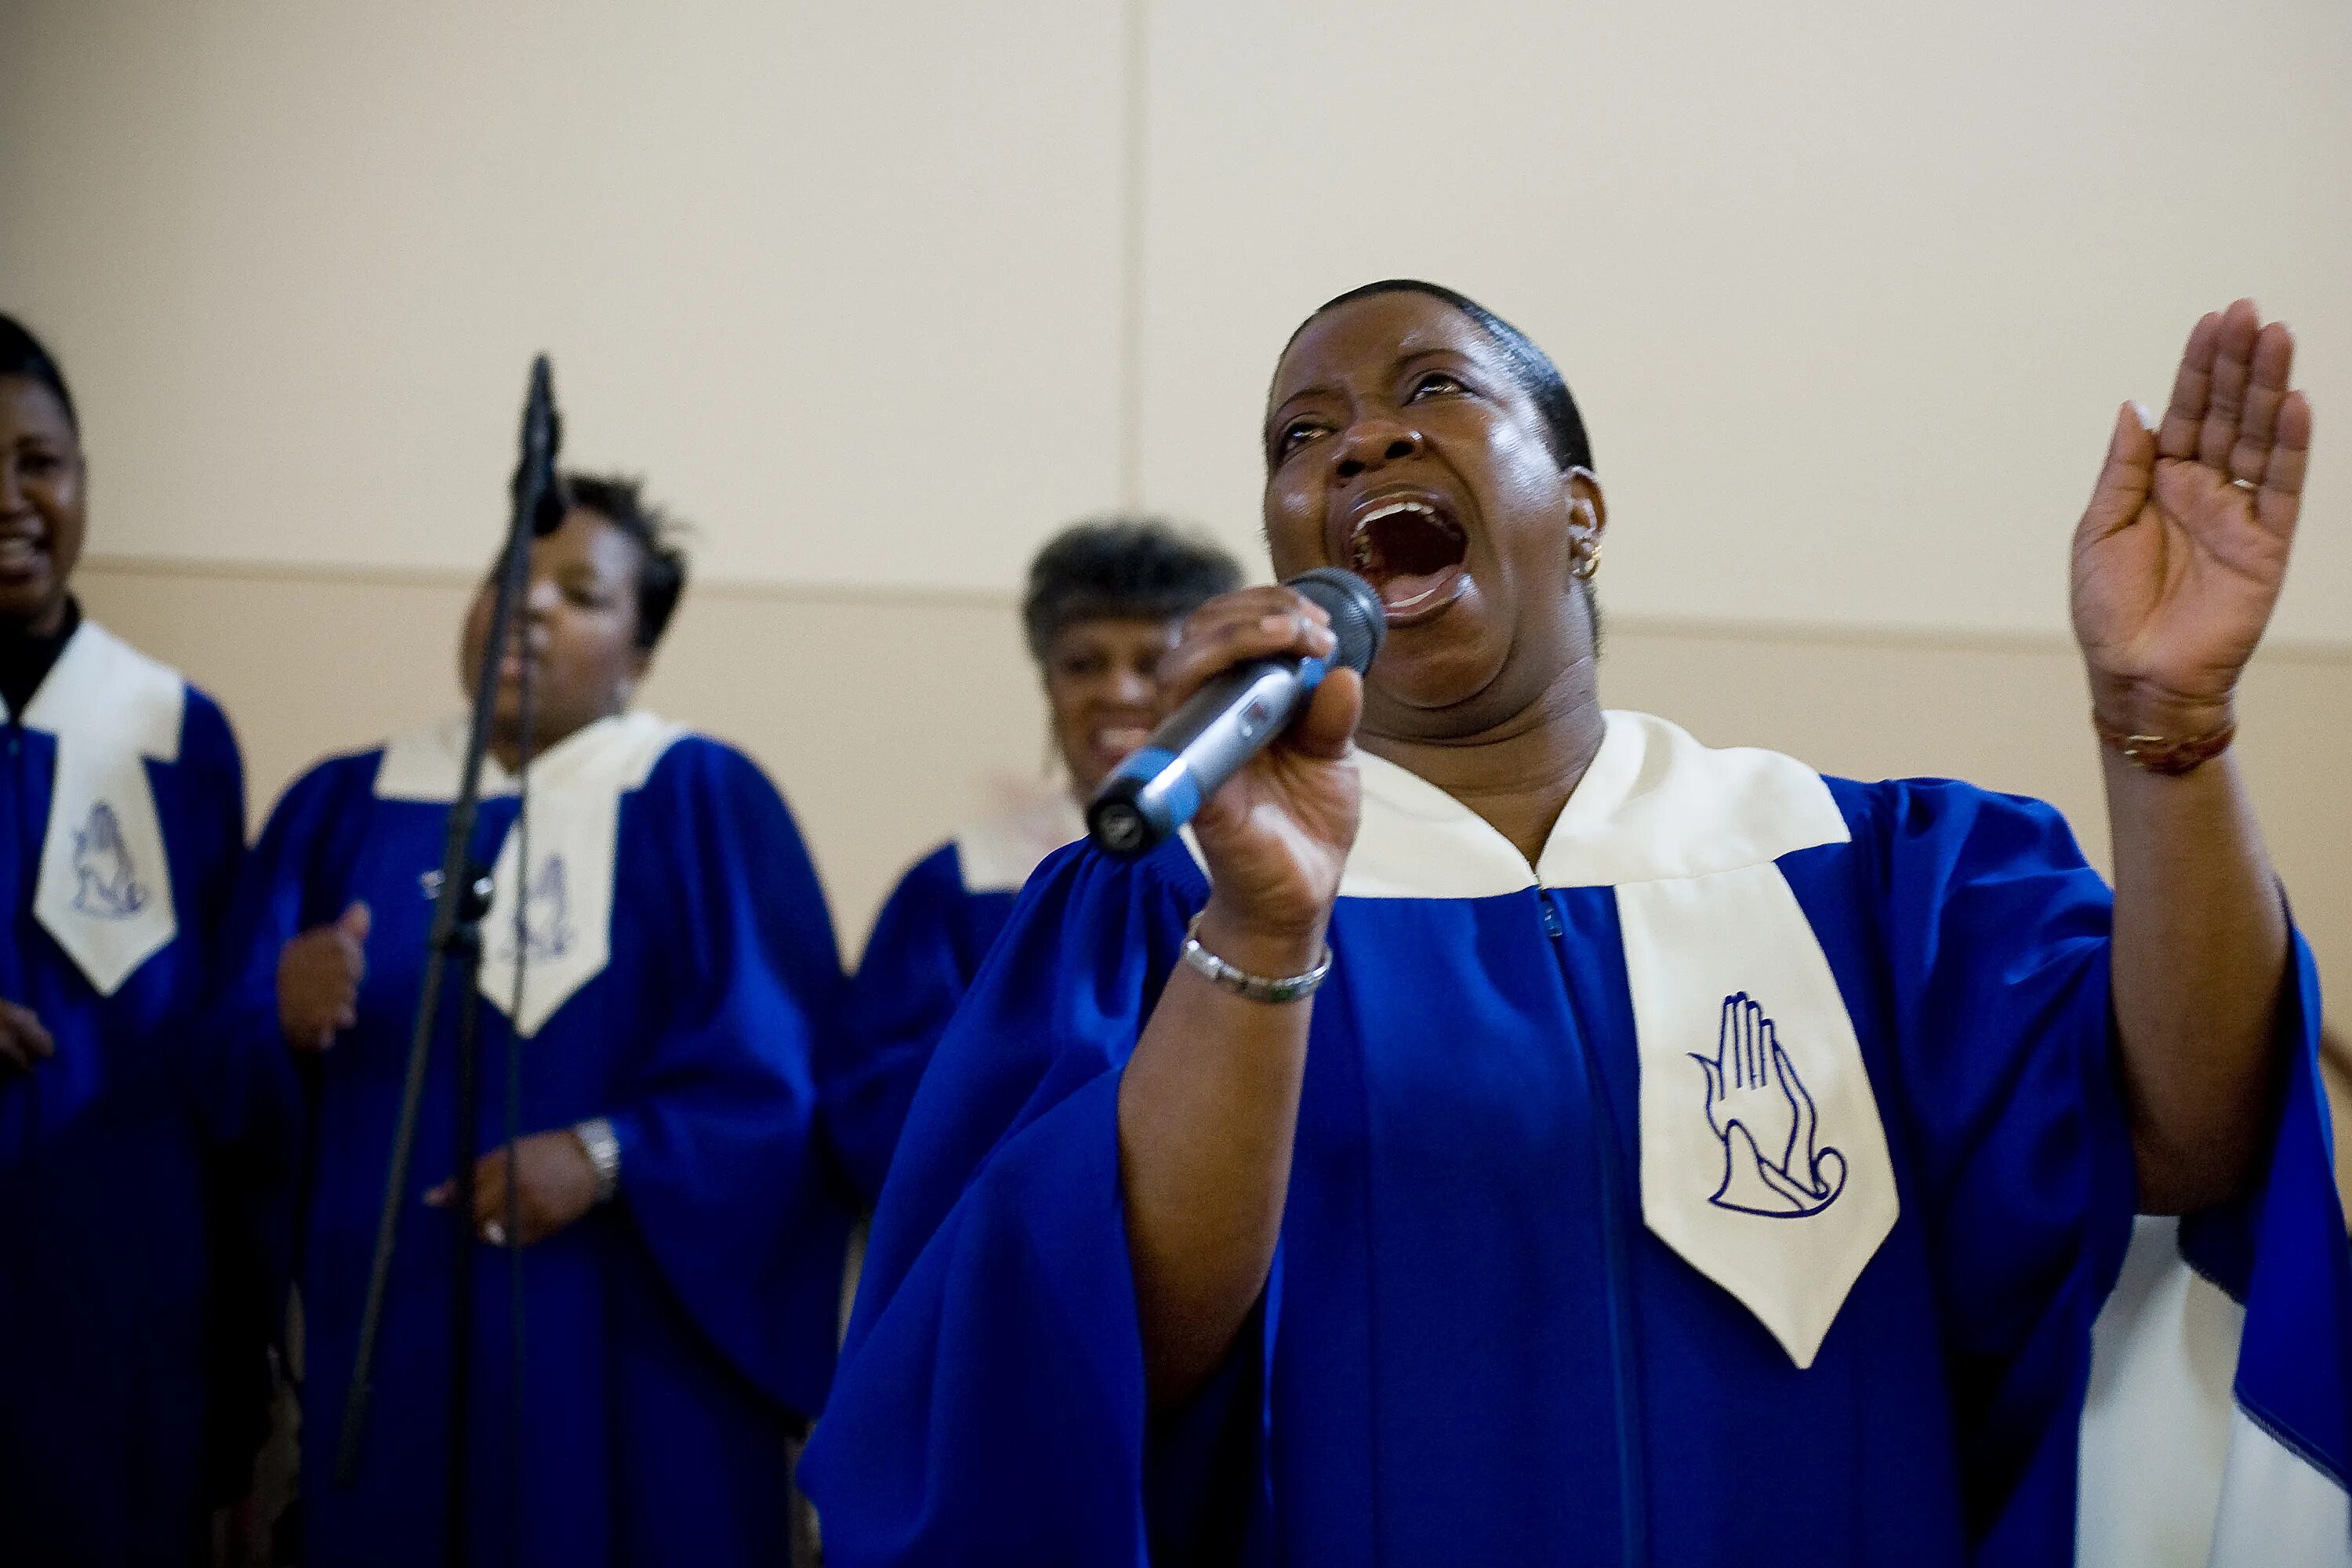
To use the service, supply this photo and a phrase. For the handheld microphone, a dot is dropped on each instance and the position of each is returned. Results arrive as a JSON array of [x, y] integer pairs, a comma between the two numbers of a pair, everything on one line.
[[536, 487], [1229, 720]]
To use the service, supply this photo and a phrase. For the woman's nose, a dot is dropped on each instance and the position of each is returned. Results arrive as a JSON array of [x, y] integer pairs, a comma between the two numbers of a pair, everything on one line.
[[1369, 443], [1132, 686]]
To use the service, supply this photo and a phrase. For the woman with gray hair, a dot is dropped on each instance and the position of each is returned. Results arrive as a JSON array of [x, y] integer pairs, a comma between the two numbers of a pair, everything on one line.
[[1106, 600]]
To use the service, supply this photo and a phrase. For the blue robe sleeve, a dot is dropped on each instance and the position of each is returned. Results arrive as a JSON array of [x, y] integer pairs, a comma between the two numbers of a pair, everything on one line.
[[1997, 935], [992, 1390], [252, 1094], [916, 968], [205, 871], [721, 1171]]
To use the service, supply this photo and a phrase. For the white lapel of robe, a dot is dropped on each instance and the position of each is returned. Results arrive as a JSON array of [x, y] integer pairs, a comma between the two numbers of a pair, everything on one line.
[[104, 890], [1764, 1163], [565, 901], [997, 853]]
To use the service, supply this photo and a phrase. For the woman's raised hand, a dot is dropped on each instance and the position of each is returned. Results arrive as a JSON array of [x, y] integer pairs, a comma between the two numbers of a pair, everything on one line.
[[2179, 557], [1278, 835]]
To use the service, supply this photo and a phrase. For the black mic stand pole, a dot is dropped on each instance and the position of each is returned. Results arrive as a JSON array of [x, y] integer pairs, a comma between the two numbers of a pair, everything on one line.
[[457, 910]]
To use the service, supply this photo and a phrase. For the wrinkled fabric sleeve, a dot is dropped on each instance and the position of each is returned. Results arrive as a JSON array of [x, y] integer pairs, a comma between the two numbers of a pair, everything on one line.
[[251, 1091], [915, 972], [205, 867], [721, 1169], [1998, 963], [992, 1404]]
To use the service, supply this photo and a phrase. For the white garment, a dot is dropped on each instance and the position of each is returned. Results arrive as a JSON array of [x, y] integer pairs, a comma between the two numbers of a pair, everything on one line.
[[104, 890], [565, 898], [997, 853]]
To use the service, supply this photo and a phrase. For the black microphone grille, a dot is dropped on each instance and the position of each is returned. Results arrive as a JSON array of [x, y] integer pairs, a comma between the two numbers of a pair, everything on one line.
[[1359, 619]]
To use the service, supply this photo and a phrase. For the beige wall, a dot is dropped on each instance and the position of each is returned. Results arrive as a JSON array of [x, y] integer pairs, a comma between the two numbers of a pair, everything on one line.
[[880, 294], [886, 715]]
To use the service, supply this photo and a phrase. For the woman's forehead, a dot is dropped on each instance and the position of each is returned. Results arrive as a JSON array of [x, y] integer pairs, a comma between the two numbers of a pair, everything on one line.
[[1372, 334], [28, 407]]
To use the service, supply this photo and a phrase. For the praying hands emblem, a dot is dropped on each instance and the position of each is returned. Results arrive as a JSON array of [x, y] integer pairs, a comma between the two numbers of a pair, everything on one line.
[[1764, 1119], [105, 885]]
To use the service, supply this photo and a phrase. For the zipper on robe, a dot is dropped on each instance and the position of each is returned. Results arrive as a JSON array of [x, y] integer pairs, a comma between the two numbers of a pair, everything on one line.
[[1616, 1263]]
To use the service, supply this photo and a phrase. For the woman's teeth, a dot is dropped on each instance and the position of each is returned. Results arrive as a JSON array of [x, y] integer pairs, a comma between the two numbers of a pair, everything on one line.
[[18, 552], [1411, 552], [1121, 740]]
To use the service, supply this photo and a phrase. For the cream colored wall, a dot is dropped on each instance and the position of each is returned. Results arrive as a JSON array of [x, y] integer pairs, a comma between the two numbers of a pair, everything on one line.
[[886, 714], [878, 295], [881, 293]]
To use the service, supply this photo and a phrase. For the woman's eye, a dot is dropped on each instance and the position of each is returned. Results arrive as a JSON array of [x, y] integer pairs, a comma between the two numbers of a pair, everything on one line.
[[1435, 382], [1294, 435]]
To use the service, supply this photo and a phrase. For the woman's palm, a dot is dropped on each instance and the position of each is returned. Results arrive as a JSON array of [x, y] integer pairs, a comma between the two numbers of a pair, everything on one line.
[[2177, 564]]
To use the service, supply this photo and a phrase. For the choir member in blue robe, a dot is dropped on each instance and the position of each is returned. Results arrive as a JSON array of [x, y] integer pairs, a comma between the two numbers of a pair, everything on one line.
[[125, 803], [1104, 602], [681, 1238], [1690, 1159]]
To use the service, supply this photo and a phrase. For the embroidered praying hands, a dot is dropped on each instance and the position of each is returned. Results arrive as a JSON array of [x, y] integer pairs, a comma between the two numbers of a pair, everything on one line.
[[1765, 1122]]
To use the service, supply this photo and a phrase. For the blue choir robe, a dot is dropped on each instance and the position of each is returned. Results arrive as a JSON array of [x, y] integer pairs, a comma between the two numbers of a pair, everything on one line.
[[679, 975], [125, 803], [1740, 1183], [924, 952]]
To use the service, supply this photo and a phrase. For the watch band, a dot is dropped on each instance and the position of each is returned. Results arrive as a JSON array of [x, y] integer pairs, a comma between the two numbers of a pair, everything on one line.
[[1241, 982], [596, 1137]]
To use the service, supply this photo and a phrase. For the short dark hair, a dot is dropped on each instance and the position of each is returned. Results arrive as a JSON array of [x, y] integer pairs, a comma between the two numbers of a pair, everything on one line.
[[1530, 365], [661, 563], [21, 354], [1121, 568]]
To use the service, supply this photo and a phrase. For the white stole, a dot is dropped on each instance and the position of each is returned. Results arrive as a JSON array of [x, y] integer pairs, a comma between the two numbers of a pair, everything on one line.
[[997, 853], [1764, 1163], [565, 896], [104, 890]]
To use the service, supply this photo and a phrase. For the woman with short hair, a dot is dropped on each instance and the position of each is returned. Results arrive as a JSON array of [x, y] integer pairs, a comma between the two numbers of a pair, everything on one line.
[[1528, 1135], [665, 967], [1104, 604], [124, 799]]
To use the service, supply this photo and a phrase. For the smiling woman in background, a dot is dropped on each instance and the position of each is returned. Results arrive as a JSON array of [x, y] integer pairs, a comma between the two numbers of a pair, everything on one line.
[[681, 1243], [1690, 1159], [124, 805], [1103, 604]]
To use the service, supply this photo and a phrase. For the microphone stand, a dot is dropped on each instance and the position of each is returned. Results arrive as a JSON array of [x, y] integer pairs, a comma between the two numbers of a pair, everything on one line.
[[458, 907]]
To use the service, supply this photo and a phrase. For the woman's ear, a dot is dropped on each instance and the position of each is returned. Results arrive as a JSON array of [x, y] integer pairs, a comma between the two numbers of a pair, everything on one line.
[[1588, 518]]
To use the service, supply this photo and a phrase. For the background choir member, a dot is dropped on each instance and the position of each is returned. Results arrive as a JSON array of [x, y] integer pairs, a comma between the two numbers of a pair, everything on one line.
[[1104, 602], [681, 1242], [1690, 1159], [124, 800]]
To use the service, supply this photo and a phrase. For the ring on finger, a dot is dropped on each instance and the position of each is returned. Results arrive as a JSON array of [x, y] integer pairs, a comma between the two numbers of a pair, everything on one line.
[[2245, 484], [494, 1234]]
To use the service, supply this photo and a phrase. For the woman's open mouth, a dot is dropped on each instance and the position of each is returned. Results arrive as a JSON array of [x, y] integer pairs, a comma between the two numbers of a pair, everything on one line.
[[1413, 553]]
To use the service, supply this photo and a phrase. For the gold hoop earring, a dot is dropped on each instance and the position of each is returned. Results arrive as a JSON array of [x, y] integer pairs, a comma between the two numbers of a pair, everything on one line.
[[1587, 562]]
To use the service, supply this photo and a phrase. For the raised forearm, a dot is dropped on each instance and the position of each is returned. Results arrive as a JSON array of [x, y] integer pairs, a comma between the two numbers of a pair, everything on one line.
[[2201, 950]]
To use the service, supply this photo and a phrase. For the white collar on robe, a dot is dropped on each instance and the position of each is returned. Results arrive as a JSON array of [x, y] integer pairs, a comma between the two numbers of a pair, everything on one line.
[[566, 935], [997, 853], [104, 891], [1763, 1159]]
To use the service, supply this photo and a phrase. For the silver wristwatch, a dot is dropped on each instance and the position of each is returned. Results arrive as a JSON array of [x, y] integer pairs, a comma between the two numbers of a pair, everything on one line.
[[1241, 982], [595, 1136]]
